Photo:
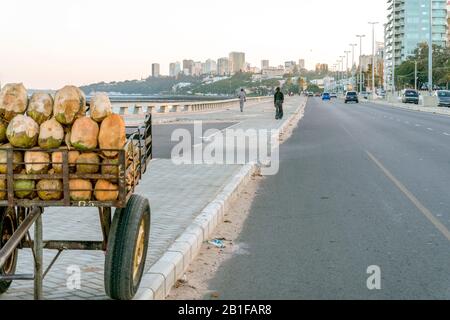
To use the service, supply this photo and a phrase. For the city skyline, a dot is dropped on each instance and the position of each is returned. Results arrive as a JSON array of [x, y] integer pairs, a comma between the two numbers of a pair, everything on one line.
[[88, 44]]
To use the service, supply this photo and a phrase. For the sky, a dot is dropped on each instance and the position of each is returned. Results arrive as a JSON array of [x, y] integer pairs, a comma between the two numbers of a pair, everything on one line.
[[47, 44]]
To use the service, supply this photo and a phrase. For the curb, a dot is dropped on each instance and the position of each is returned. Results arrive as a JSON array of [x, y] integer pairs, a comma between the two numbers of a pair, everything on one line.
[[162, 276]]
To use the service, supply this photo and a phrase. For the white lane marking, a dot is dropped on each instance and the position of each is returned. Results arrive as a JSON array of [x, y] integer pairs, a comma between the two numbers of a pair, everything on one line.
[[427, 213], [446, 134], [223, 130], [406, 122], [430, 129], [418, 125]]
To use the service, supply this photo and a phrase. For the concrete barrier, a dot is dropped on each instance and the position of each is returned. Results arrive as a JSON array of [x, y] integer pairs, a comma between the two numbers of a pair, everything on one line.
[[123, 110], [138, 109]]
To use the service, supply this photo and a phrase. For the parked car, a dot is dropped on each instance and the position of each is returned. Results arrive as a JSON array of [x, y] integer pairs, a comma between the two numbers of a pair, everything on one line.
[[310, 94], [351, 96], [326, 96], [410, 96], [318, 94], [444, 98], [333, 95]]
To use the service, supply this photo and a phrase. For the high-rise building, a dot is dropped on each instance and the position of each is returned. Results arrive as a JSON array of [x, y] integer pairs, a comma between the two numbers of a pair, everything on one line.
[[237, 62], [321, 68], [155, 70], [408, 26], [301, 64], [289, 66], [265, 64], [223, 66], [197, 69], [448, 23], [209, 67], [188, 65], [174, 69]]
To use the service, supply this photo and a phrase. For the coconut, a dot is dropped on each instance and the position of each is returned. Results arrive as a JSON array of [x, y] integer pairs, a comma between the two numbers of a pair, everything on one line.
[[51, 134], [100, 107], [102, 195], [110, 166], [3, 189], [49, 190], [36, 162], [70, 103], [57, 160], [88, 163], [17, 159], [24, 188], [84, 134], [3, 127], [40, 107], [112, 135], [80, 184], [22, 132], [13, 100]]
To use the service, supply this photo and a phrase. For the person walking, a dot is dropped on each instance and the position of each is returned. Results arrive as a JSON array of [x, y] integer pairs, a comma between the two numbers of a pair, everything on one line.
[[242, 99], [279, 100]]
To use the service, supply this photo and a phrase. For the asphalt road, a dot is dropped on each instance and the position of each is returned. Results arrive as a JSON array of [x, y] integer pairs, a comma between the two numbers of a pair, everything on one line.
[[162, 134], [358, 186]]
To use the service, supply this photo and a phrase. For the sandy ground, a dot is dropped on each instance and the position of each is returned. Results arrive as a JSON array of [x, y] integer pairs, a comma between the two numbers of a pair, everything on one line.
[[194, 285]]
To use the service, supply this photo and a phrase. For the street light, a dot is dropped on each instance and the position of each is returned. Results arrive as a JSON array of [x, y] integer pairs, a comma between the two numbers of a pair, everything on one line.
[[373, 57], [353, 45], [360, 36], [346, 70], [430, 51], [342, 63]]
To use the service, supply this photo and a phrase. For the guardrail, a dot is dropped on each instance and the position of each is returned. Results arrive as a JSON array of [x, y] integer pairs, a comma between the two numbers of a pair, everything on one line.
[[139, 108]]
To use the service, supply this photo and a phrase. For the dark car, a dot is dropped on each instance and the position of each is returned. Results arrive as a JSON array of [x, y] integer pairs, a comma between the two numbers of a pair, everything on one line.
[[351, 96], [410, 96], [444, 98]]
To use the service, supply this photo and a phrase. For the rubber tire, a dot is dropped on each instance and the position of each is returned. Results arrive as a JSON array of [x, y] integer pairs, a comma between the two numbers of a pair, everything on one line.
[[4, 285], [119, 282]]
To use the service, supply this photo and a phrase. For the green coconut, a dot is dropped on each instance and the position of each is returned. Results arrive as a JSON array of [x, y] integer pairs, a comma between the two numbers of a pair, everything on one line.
[[24, 189], [112, 135], [79, 184], [40, 108], [17, 159], [51, 134], [101, 106], [3, 127], [57, 160], [106, 191], [36, 162], [88, 163], [22, 132], [13, 100], [49, 190], [70, 103], [84, 134]]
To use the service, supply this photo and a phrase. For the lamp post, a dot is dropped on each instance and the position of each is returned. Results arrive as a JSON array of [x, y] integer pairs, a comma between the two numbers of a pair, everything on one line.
[[342, 64], [353, 45], [346, 69], [430, 51], [360, 36], [373, 57]]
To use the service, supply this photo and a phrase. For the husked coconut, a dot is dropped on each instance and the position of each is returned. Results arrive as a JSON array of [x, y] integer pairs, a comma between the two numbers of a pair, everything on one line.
[[84, 134], [110, 167], [51, 134], [106, 191], [17, 159], [112, 135], [24, 189], [22, 132], [57, 160], [49, 190], [88, 163], [13, 100], [40, 108], [84, 188], [100, 106], [3, 189], [36, 162], [3, 127], [70, 103]]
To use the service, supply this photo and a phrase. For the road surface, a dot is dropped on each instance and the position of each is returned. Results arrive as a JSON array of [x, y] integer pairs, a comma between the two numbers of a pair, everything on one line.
[[359, 186]]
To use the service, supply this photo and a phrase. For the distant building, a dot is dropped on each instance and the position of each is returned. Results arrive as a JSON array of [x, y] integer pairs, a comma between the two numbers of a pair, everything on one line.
[[321, 68], [197, 69], [209, 67], [174, 69], [270, 73], [188, 66], [301, 64], [289, 66], [223, 66], [155, 70], [237, 62], [448, 23], [265, 64]]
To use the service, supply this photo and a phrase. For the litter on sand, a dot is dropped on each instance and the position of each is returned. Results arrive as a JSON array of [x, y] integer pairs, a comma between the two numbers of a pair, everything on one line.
[[217, 243]]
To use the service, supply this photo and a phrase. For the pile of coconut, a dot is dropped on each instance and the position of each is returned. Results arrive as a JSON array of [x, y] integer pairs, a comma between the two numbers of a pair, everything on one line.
[[42, 123]]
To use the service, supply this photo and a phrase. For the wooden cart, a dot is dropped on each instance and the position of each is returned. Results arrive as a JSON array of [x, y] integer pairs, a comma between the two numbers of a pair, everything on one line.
[[125, 236]]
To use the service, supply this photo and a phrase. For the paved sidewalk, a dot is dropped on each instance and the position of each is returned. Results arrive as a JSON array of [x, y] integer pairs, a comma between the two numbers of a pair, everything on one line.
[[177, 194]]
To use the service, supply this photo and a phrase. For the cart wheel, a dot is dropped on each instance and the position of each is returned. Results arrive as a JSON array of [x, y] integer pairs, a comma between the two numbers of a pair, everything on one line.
[[7, 228], [127, 249]]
